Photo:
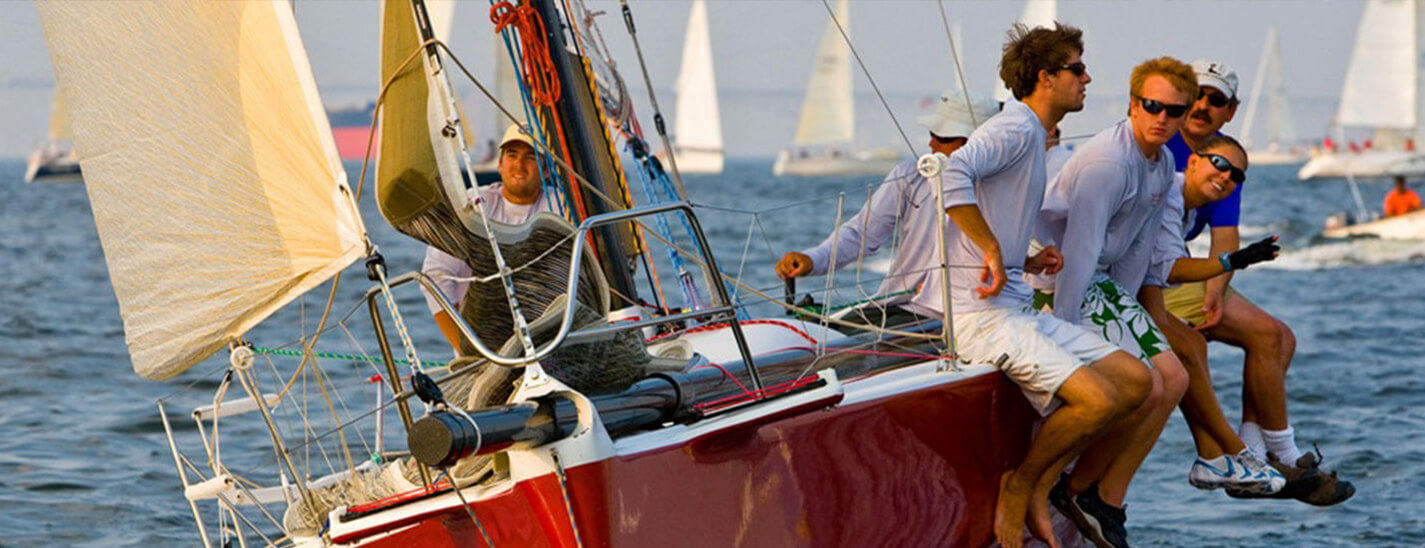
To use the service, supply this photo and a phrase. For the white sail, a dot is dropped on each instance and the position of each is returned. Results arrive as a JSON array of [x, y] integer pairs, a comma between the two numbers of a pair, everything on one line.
[[216, 187], [697, 125], [1380, 85], [442, 18], [1269, 83], [828, 116], [1037, 13]]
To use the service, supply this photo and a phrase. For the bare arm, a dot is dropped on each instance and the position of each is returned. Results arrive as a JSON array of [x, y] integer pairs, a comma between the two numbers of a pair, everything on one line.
[[973, 224], [1194, 270], [1224, 240]]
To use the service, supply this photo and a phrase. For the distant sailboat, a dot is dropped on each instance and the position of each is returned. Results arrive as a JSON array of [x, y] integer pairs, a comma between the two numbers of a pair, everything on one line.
[[1281, 145], [1037, 13], [823, 144], [54, 159], [697, 129], [1381, 93]]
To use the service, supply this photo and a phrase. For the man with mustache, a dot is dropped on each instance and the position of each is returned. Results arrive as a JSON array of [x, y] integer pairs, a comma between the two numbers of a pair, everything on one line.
[[1221, 314]]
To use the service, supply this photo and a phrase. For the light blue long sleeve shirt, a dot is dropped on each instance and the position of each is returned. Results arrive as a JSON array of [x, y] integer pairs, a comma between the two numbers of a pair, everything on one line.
[[1104, 211]]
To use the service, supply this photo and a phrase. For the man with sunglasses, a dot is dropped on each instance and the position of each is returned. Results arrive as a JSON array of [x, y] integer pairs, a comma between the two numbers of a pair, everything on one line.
[[1104, 211], [992, 189], [894, 211], [1224, 315]]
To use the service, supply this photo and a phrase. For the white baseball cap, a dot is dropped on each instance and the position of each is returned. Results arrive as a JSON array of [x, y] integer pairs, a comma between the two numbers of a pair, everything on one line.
[[958, 114], [515, 134], [1218, 75]]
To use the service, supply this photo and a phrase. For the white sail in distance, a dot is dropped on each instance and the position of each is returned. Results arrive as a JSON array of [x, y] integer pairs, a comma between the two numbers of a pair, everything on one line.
[[828, 114], [1281, 128], [1037, 13], [216, 187], [697, 125], [1380, 86]]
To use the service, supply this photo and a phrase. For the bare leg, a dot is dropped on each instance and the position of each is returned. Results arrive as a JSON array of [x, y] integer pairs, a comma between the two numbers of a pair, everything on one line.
[[1211, 432], [1114, 460], [1269, 345], [1092, 398]]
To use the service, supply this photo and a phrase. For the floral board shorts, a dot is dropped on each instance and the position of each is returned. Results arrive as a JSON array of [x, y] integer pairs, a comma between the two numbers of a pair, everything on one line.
[[1115, 315]]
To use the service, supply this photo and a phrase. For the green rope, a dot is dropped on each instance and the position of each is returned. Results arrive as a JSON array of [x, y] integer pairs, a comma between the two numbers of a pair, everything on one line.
[[334, 355]]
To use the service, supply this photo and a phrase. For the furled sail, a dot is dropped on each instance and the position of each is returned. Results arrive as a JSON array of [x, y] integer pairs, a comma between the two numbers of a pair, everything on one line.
[[698, 125], [209, 161], [1379, 90], [828, 115]]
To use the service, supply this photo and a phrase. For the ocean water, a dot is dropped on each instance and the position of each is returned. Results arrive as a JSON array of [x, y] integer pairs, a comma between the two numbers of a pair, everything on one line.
[[84, 462]]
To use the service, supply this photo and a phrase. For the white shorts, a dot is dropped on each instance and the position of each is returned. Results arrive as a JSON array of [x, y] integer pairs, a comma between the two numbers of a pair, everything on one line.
[[1040, 351]]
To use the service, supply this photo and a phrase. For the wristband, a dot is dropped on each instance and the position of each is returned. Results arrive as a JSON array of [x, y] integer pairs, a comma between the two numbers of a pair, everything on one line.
[[1225, 259]]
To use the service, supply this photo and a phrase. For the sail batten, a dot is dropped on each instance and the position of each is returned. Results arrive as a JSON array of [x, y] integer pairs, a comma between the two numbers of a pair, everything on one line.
[[217, 191]]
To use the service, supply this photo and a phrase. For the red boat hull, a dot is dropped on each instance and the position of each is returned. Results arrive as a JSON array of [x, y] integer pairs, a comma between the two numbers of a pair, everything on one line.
[[917, 469]]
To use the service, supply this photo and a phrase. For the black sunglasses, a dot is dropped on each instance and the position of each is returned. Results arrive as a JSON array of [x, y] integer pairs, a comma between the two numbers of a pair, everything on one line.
[[1154, 107], [1078, 68], [1223, 164], [1213, 98]]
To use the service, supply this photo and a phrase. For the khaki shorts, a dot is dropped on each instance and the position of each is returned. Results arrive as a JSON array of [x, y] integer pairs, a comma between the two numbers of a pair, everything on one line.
[[1039, 351], [1117, 317], [1185, 301]]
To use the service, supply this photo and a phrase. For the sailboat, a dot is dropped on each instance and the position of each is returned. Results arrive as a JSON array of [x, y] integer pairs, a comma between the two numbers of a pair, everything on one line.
[[54, 160], [1382, 93], [697, 128], [1281, 146], [823, 145], [219, 198], [1037, 13]]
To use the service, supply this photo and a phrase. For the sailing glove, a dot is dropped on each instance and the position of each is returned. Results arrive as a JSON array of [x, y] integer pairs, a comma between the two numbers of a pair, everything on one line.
[[1263, 250]]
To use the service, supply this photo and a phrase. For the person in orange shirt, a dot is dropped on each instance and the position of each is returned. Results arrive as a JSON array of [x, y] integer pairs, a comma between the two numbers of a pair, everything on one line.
[[1401, 200]]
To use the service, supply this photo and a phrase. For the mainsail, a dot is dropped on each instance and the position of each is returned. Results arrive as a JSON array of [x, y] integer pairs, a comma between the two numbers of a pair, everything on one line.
[[828, 115], [1380, 86], [1281, 128], [698, 125], [216, 187]]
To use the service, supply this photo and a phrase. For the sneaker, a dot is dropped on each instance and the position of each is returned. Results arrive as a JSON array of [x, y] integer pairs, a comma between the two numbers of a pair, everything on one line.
[[1269, 479], [1243, 472], [1100, 523], [1060, 498], [1306, 482]]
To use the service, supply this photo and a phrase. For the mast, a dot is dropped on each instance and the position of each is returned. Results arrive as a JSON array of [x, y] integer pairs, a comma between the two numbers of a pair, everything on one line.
[[589, 152]]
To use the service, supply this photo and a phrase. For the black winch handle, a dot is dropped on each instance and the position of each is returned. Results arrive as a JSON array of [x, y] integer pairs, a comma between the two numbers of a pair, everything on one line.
[[790, 291]]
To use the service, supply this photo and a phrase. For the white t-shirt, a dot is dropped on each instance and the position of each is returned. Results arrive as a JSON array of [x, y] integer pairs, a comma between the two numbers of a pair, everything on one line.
[[443, 268]]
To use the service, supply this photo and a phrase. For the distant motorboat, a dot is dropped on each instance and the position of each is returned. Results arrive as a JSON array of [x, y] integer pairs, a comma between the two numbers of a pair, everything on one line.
[[54, 160], [1410, 226], [1282, 146], [823, 144], [1381, 93]]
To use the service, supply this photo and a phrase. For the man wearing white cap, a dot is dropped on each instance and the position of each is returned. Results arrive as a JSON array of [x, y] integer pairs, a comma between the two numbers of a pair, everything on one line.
[[517, 196], [895, 209], [1224, 315]]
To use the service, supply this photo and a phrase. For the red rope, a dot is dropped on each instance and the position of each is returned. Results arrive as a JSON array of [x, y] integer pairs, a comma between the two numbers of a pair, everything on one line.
[[717, 326], [539, 72]]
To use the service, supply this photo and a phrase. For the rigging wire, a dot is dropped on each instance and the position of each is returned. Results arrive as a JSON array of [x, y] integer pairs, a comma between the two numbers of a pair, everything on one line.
[[867, 72], [955, 60]]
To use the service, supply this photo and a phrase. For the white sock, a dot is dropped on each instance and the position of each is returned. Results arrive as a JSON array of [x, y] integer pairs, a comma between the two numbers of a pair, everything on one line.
[[1282, 444], [1251, 435]]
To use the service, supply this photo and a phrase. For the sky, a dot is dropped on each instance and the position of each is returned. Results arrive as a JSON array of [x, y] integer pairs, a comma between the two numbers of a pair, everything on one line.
[[763, 51]]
